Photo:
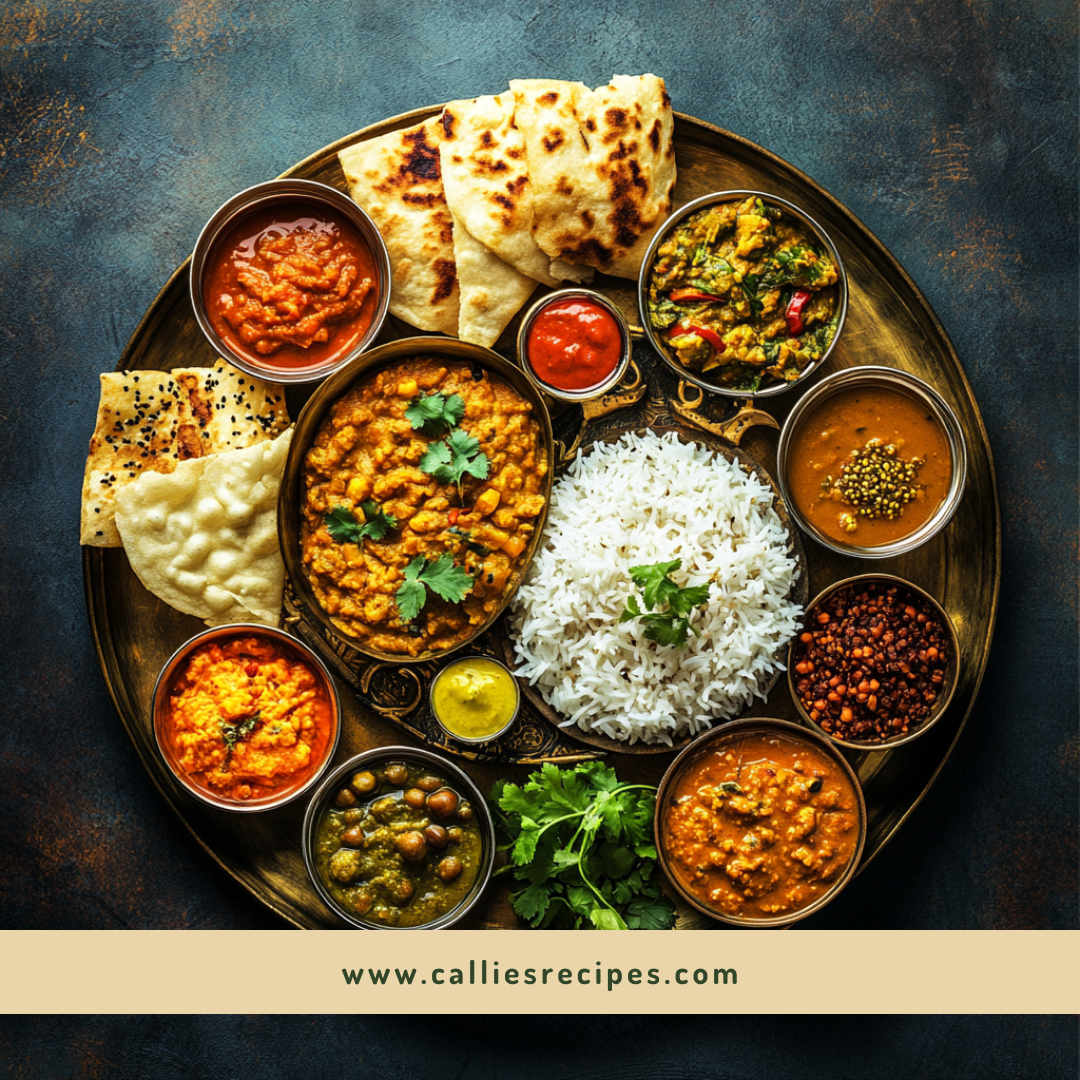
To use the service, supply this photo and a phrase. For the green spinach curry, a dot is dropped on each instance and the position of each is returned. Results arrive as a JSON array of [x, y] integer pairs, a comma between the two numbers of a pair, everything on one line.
[[744, 293]]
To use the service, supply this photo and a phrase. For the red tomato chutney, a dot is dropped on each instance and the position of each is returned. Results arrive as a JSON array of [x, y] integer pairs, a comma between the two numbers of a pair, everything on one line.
[[292, 286], [761, 826], [574, 344]]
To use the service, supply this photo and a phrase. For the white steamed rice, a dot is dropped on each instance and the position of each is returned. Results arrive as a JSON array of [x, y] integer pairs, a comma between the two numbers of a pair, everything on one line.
[[649, 499]]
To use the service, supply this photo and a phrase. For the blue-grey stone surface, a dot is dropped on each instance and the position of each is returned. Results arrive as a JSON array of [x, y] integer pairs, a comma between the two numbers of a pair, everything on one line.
[[949, 128]]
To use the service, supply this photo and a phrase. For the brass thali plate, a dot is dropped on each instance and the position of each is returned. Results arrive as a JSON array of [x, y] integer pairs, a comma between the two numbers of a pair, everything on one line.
[[888, 322]]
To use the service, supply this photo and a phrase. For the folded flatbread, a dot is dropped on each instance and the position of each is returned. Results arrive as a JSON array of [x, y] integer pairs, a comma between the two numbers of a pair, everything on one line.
[[492, 291], [203, 538], [150, 421], [486, 176], [397, 179], [601, 167]]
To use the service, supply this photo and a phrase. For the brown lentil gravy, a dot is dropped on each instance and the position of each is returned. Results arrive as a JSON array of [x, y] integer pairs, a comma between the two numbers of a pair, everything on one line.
[[869, 466], [366, 449], [872, 662], [762, 826]]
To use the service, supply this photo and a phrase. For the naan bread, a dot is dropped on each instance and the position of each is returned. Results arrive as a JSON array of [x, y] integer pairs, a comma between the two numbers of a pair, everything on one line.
[[397, 179], [492, 291], [601, 166], [486, 176], [203, 538], [150, 421]]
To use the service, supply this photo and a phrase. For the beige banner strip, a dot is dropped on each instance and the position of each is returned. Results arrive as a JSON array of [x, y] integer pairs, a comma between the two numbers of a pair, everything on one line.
[[541, 972]]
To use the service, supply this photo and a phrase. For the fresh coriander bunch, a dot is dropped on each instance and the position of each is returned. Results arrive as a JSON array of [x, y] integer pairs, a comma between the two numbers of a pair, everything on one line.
[[582, 851]]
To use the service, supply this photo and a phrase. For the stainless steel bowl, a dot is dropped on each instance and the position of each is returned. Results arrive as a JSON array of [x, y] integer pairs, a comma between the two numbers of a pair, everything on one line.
[[592, 391], [890, 378], [160, 703], [943, 699], [486, 738], [646, 269], [320, 802], [259, 197], [712, 742]]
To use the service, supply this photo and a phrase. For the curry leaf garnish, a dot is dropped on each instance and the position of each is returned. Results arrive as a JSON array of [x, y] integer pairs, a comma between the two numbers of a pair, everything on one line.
[[443, 577], [658, 590], [235, 732], [582, 850], [342, 525], [450, 461], [436, 413]]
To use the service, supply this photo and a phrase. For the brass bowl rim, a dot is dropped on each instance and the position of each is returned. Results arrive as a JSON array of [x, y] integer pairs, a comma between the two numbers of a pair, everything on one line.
[[734, 729], [940, 706], [643, 292], [590, 392], [464, 660], [318, 803], [314, 413], [249, 201], [158, 711], [905, 382]]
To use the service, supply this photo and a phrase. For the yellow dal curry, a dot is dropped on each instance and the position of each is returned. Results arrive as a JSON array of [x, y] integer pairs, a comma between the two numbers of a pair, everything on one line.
[[367, 450], [246, 720]]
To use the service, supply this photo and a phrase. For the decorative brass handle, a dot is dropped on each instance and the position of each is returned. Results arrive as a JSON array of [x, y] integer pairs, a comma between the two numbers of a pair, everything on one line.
[[690, 400], [625, 394]]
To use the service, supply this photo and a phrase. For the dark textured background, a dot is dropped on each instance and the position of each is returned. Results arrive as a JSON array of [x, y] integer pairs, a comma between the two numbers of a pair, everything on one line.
[[949, 128]]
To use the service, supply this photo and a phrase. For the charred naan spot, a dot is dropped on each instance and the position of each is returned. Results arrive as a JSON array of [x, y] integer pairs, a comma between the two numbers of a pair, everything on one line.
[[432, 198], [664, 96], [637, 125], [587, 217], [422, 159], [515, 187], [188, 444], [590, 251], [617, 118], [446, 277], [458, 159], [487, 139], [563, 186], [514, 151], [590, 124], [483, 165], [636, 177], [549, 98], [448, 122], [622, 151], [654, 137], [503, 200], [553, 141], [446, 230]]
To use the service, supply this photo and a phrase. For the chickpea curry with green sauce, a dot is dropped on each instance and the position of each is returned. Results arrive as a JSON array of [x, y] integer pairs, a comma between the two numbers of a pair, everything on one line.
[[744, 293], [398, 846], [424, 489]]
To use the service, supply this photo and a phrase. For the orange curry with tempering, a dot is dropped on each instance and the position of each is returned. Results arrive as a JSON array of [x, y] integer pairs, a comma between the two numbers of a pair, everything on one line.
[[761, 827], [367, 450], [247, 719], [292, 286], [869, 466]]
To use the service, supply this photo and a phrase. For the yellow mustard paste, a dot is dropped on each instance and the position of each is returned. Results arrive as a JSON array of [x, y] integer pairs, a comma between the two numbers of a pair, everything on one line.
[[474, 698]]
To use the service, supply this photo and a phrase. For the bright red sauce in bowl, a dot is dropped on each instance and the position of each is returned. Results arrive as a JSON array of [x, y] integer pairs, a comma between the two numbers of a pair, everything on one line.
[[574, 344]]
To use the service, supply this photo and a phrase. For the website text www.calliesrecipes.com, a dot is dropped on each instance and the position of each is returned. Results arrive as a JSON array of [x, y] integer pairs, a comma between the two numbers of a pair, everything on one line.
[[491, 973]]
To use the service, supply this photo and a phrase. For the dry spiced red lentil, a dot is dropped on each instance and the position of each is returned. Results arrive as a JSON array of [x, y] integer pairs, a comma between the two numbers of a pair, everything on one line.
[[871, 662]]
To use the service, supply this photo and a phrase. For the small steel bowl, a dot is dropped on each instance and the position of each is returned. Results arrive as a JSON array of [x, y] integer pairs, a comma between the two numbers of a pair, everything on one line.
[[259, 197], [292, 494], [320, 802], [893, 379], [592, 391], [944, 697], [160, 709], [646, 269], [486, 738], [712, 742]]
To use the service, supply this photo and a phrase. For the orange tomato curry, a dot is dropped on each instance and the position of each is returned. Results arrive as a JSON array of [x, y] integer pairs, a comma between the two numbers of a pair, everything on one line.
[[367, 450], [846, 422], [293, 283], [247, 719], [762, 827]]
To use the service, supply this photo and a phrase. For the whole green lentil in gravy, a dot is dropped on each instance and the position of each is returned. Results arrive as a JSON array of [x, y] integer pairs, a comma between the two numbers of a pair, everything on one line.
[[877, 481], [399, 846], [744, 293]]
